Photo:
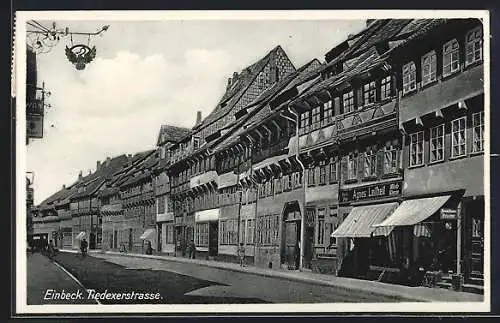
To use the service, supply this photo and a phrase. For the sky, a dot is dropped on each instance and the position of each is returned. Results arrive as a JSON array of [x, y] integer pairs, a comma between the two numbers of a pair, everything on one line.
[[149, 73]]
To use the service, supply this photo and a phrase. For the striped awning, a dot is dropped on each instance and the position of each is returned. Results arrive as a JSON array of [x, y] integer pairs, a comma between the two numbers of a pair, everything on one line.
[[411, 212], [359, 223]]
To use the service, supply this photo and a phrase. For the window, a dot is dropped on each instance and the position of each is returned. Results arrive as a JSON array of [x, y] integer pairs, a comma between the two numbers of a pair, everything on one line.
[[352, 166], [297, 179], [390, 159], [277, 185], [436, 143], [242, 231], [428, 67], [333, 170], [316, 118], [370, 164], [369, 92], [478, 131], [304, 121], [451, 61], [249, 231], [322, 174], [417, 148], [229, 231], [201, 237], [196, 142], [310, 177], [161, 204], [320, 227], [409, 77], [458, 137], [474, 46], [348, 101], [286, 184], [386, 87], [327, 111]]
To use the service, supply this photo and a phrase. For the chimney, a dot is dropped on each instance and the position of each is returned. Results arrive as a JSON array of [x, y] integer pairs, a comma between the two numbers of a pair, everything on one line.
[[235, 76], [228, 83], [107, 161], [198, 117], [64, 187], [80, 175], [98, 165], [90, 171]]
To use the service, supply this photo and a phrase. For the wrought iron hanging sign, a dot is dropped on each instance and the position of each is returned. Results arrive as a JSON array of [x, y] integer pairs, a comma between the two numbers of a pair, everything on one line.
[[80, 54], [42, 39]]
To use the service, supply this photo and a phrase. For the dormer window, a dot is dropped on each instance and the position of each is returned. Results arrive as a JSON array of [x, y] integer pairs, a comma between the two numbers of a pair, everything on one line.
[[474, 46], [429, 68], [451, 60], [196, 142]]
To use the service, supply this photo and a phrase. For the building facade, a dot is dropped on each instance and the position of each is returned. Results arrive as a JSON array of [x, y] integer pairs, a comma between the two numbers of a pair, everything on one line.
[[353, 167]]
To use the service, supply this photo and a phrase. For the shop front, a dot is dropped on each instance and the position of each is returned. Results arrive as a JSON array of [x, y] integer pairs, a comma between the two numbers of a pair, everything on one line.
[[363, 250], [206, 233]]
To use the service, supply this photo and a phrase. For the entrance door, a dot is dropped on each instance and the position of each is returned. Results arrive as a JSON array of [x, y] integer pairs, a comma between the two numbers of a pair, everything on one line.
[[213, 243], [292, 248], [477, 246], [130, 239], [115, 239]]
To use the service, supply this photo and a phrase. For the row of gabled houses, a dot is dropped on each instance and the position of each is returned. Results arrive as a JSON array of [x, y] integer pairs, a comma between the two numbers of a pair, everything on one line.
[[368, 165]]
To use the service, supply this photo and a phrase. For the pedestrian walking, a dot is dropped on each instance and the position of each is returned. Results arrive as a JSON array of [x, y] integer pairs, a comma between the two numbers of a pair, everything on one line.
[[83, 247], [192, 249], [241, 254], [51, 250]]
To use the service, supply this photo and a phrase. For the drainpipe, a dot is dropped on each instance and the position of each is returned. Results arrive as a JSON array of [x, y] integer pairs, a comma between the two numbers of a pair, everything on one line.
[[304, 185]]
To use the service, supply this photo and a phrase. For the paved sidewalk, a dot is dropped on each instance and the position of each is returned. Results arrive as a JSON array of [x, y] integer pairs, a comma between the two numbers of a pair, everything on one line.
[[45, 279], [414, 293]]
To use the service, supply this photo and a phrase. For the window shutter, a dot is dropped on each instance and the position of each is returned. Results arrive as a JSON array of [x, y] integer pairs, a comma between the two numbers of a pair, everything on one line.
[[380, 162], [343, 167], [359, 97]]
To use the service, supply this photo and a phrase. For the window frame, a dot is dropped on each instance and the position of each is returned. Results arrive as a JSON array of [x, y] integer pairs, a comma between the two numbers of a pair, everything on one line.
[[409, 78], [369, 92], [474, 42], [386, 87], [464, 139], [431, 76], [453, 52], [417, 151], [348, 97], [437, 138], [479, 126], [352, 170], [370, 154]]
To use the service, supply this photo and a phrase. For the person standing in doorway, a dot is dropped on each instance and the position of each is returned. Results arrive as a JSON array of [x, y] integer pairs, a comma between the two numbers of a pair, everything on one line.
[[241, 254]]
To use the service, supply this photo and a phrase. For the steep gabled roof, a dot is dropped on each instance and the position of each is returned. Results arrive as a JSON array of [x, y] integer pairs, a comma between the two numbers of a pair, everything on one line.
[[171, 133], [237, 89], [261, 108]]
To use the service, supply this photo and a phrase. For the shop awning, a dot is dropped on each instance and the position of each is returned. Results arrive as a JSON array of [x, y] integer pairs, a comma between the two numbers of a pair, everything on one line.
[[149, 233], [359, 223], [411, 212], [81, 235], [207, 215]]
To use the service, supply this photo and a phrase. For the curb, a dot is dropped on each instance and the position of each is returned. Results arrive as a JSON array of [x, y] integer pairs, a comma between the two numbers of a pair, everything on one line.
[[382, 290]]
